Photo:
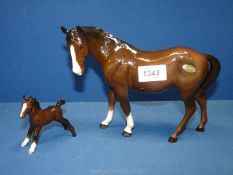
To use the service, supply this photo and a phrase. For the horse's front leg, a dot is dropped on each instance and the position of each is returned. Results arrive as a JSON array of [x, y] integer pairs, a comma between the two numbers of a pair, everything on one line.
[[34, 139], [27, 138], [111, 105], [122, 94]]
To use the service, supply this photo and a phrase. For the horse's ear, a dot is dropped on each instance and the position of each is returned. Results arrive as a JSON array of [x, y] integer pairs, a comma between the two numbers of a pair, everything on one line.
[[24, 96], [64, 30], [79, 29]]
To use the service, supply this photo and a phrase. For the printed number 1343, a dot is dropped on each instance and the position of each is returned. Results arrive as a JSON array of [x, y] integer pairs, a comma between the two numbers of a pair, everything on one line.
[[151, 73]]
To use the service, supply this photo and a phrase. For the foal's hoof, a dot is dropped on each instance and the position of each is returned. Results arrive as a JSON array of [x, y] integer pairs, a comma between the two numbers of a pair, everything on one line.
[[73, 133], [102, 126], [126, 134], [172, 139], [30, 152], [198, 129]]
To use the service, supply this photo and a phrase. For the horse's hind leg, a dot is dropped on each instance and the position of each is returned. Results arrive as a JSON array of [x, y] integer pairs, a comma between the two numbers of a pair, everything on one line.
[[201, 99], [67, 125], [190, 108], [27, 138], [111, 104]]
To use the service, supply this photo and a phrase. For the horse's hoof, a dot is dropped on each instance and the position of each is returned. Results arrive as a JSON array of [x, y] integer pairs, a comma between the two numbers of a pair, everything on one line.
[[126, 134], [172, 139], [198, 129], [102, 126]]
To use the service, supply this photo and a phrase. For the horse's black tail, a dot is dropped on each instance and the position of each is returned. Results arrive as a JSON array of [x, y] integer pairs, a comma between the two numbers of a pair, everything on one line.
[[214, 69], [60, 102]]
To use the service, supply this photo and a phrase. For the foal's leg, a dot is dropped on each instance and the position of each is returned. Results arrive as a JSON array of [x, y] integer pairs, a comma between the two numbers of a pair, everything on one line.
[[190, 108], [122, 94], [64, 126], [65, 122], [27, 138], [34, 139], [201, 99], [111, 105]]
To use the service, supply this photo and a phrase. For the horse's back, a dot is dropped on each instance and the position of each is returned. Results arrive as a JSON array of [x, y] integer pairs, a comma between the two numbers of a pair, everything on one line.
[[182, 67], [160, 56]]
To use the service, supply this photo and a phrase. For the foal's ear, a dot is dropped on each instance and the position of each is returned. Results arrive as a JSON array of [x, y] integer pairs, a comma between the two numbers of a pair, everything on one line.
[[32, 99], [24, 96], [64, 30]]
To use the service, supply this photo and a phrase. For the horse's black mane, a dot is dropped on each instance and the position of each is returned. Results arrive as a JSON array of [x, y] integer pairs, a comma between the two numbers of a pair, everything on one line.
[[98, 31], [93, 28], [105, 36]]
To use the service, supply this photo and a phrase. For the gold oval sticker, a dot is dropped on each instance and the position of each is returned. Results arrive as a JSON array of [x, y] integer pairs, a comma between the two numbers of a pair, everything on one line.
[[189, 68]]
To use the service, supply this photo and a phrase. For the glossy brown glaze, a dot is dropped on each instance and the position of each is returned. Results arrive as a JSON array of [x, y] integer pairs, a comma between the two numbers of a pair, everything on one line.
[[39, 117], [191, 72]]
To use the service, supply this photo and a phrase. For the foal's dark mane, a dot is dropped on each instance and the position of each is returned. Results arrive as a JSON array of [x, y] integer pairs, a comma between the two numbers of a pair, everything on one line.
[[36, 104]]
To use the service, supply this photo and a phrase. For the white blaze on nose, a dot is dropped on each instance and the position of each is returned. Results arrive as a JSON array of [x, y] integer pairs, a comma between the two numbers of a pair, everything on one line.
[[24, 107], [76, 67]]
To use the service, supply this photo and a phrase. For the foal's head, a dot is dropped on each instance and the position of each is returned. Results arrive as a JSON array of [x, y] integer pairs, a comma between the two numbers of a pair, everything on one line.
[[27, 105], [78, 47]]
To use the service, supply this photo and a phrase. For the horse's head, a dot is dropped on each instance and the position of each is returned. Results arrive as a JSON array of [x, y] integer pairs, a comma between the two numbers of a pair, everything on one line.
[[78, 47], [27, 105]]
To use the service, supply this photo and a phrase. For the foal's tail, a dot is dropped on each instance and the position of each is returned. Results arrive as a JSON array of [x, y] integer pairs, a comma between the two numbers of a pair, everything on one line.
[[213, 72], [60, 102]]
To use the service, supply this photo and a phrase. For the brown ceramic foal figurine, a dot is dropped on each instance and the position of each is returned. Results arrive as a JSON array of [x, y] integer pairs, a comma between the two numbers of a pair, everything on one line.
[[128, 68], [39, 117]]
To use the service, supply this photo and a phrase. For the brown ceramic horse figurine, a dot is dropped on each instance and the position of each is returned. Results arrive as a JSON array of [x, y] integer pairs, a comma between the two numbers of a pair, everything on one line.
[[128, 68], [39, 117]]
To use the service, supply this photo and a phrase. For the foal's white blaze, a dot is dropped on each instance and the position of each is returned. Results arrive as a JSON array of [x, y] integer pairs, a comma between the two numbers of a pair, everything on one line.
[[24, 107], [130, 124], [108, 118], [32, 148], [25, 142], [76, 67]]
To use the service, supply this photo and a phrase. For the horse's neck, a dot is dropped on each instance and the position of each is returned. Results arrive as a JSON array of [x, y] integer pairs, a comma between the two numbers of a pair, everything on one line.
[[101, 45]]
